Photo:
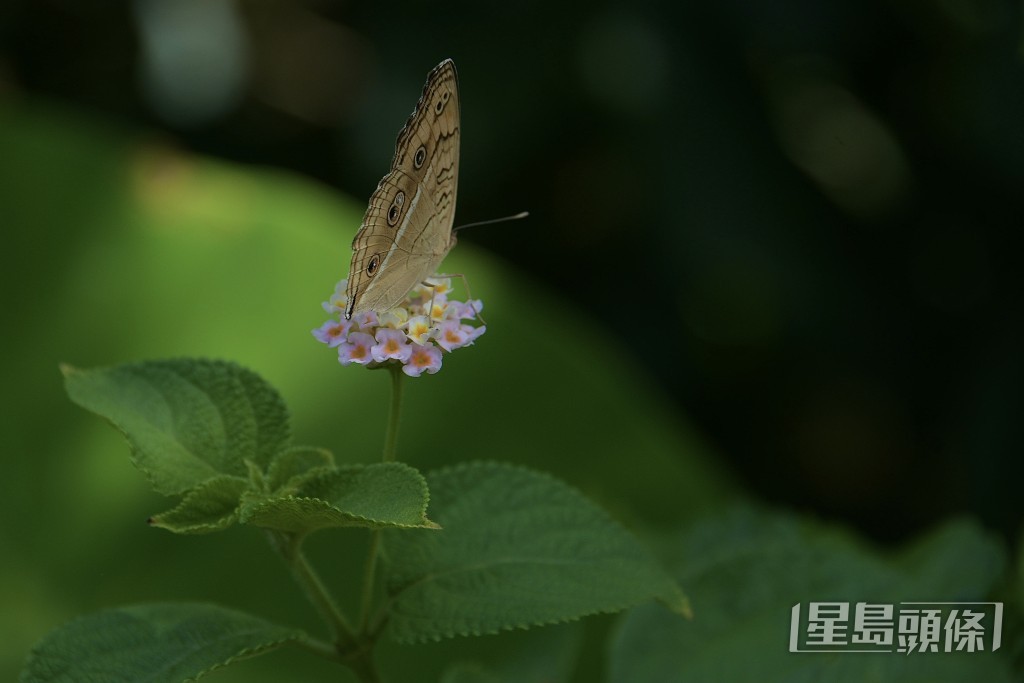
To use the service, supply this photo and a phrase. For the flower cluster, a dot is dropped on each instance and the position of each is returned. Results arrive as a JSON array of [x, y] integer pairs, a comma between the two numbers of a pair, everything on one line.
[[409, 334]]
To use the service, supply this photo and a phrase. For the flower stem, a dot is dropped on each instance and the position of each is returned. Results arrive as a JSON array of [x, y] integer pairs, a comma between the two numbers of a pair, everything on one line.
[[390, 451], [391, 435]]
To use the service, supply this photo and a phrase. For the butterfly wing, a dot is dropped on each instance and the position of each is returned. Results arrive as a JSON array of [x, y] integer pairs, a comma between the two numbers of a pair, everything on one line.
[[407, 229]]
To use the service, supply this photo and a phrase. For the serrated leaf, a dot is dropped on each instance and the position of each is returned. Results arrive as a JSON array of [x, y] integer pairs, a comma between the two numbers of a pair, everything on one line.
[[186, 420], [156, 643], [518, 548], [382, 495], [290, 467], [211, 506], [747, 570]]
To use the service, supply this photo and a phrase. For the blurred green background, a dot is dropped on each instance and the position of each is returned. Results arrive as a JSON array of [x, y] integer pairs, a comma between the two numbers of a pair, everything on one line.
[[769, 251]]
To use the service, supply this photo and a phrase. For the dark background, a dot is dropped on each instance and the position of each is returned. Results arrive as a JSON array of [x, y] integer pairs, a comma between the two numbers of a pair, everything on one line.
[[798, 216]]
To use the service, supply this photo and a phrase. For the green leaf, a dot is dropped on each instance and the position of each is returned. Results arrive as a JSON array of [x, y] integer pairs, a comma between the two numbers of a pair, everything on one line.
[[186, 420], [290, 467], [544, 656], [155, 643], [383, 495], [748, 569], [518, 549], [470, 672], [211, 506]]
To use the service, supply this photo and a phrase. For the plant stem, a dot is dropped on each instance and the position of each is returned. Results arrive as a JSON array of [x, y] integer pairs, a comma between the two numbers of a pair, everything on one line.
[[289, 547], [321, 598], [369, 575], [391, 435], [361, 663], [390, 452], [320, 648], [359, 660], [352, 651], [352, 648]]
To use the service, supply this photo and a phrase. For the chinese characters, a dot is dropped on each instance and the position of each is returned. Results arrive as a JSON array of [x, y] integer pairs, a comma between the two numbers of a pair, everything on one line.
[[906, 627]]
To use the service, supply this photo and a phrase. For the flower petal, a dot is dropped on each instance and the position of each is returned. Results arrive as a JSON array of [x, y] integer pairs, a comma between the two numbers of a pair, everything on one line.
[[391, 344], [356, 349], [423, 358], [332, 332]]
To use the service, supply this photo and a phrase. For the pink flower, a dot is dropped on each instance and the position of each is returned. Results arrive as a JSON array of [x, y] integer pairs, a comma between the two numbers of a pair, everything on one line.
[[413, 334], [426, 358], [391, 344], [366, 320], [472, 333], [356, 349], [332, 332], [458, 310], [471, 308], [451, 336]]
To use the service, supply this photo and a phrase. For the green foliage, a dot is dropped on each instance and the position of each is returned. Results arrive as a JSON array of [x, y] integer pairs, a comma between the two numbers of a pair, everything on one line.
[[290, 468], [746, 571], [210, 506], [186, 420], [156, 643], [382, 495], [548, 656], [519, 549], [219, 434]]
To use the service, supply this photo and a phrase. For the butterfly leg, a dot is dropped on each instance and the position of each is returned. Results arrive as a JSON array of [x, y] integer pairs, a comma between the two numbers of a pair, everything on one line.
[[430, 309], [469, 297]]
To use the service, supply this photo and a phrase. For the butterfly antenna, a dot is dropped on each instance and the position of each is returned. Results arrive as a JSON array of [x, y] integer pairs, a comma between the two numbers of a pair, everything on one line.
[[522, 214]]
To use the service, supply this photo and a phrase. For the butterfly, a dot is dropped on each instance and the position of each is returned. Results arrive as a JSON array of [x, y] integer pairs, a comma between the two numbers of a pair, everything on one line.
[[407, 229]]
